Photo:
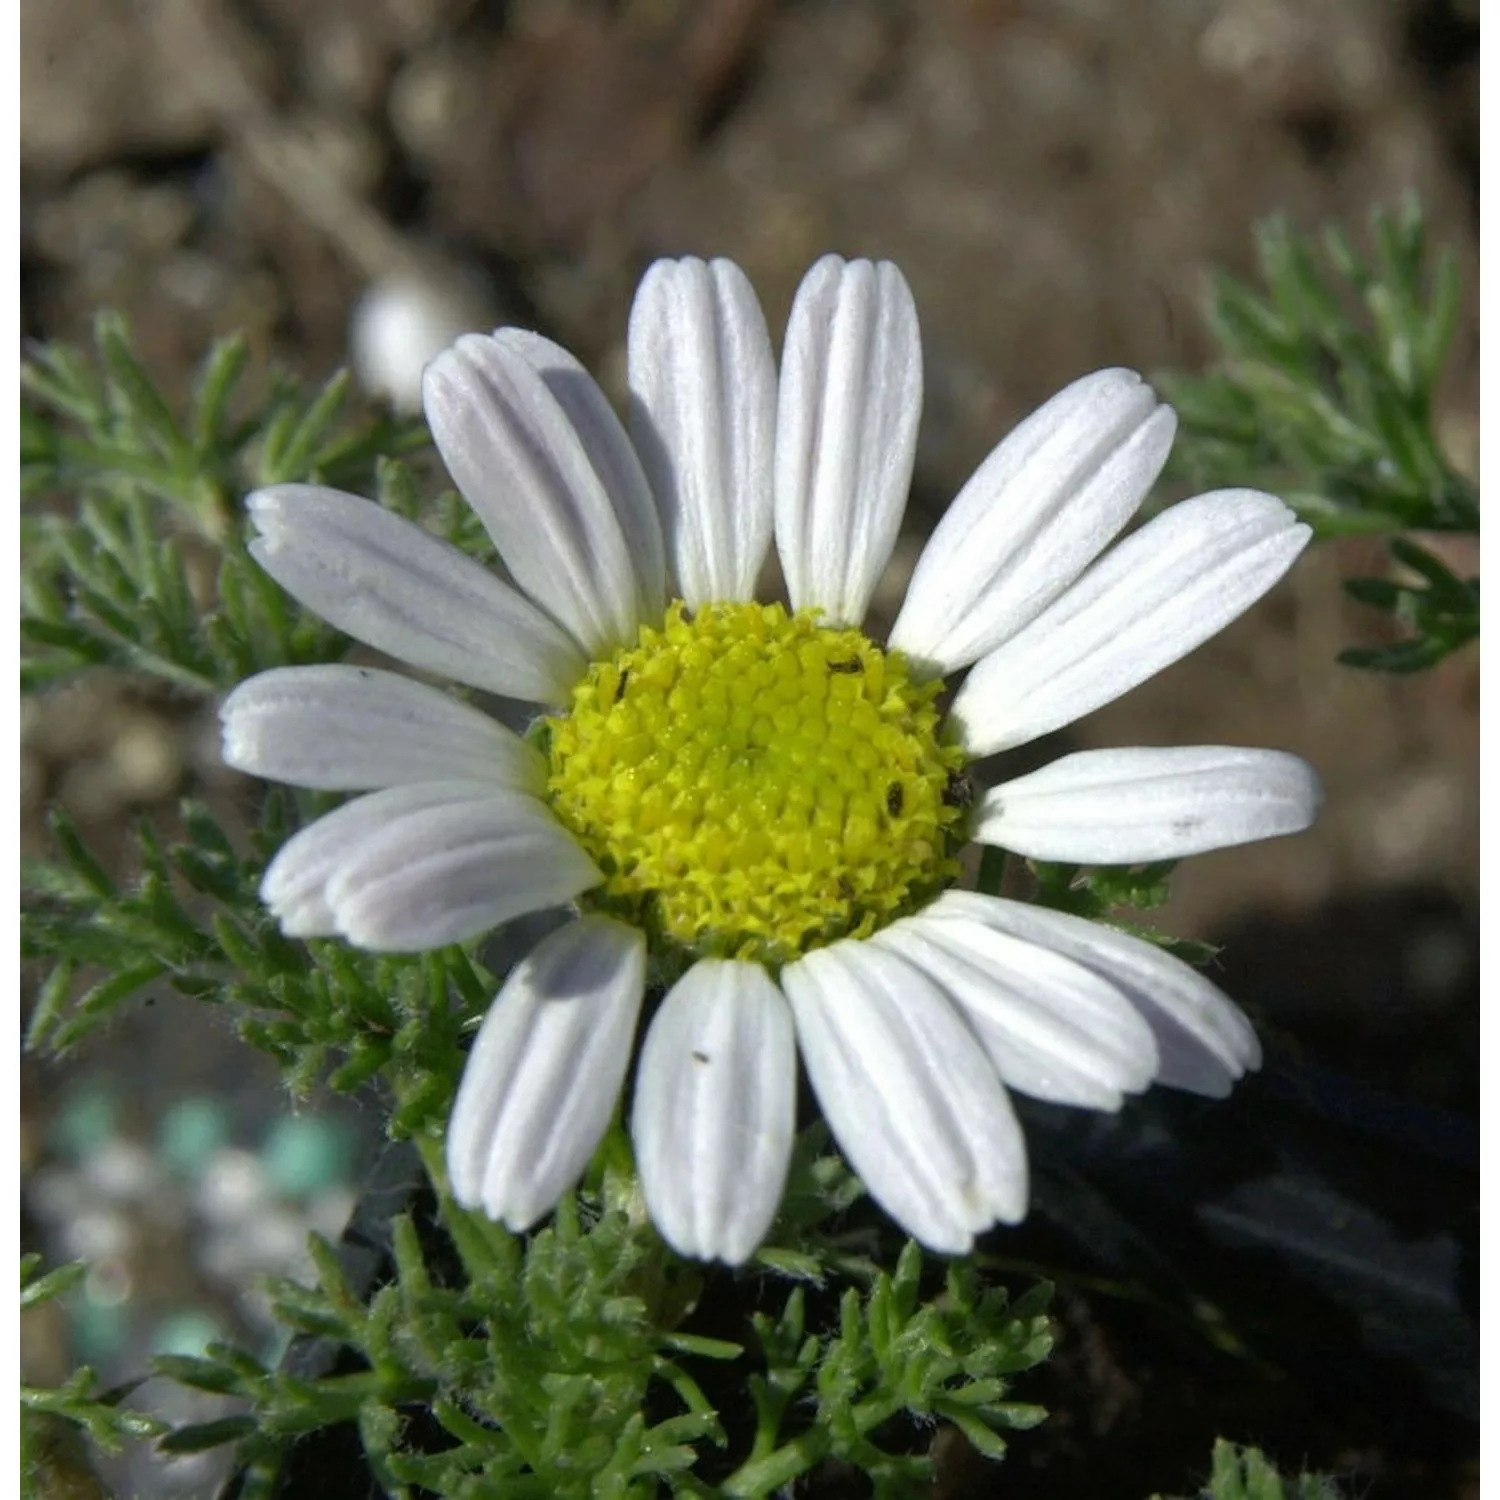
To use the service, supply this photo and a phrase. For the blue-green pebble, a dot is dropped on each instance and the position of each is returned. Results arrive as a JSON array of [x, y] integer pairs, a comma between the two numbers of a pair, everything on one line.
[[86, 1122], [305, 1153], [189, 1331], [98, 1328], [190, 1133]]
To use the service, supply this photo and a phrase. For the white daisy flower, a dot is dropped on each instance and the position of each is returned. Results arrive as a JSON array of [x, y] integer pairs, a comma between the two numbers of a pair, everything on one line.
[[759, 809]]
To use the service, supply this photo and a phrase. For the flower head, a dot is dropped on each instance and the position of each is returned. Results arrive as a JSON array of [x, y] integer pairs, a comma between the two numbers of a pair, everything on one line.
[[755, 808]]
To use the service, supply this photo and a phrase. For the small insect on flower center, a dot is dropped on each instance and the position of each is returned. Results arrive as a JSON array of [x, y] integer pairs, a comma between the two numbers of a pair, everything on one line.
[[754, 784]]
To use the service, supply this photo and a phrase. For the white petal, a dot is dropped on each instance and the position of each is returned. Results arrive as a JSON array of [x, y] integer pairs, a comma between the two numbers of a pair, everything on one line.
[[1035, 514], [911, 1097], [295, 883], [442, 875], [1053, 1028], [545, 1072], [532, 443], [1162, 592], [389, 584], [1122, 807], [715, 1110], [348, 729], [611, 453], [703, 416], [1204, 1040], [846, 432]]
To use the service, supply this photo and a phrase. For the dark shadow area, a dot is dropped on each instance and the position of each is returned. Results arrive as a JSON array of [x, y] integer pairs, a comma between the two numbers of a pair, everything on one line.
[[1295, 1266], [1442, 39]]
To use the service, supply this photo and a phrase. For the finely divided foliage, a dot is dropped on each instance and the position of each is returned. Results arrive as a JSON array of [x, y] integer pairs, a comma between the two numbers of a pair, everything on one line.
[[1336, 412], [537, 1358]]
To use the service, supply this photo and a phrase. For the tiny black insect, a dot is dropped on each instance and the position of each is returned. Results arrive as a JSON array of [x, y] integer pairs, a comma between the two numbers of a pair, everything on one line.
[[700, 1057], [895, 799], [959, 791], [853, 667], [846, 889], [620, 686]]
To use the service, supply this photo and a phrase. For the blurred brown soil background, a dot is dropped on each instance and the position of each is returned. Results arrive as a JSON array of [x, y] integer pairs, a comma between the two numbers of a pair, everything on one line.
[[1053, 176]]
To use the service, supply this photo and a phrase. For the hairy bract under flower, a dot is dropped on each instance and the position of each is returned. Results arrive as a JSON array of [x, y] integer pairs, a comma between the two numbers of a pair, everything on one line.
[[755, 810]]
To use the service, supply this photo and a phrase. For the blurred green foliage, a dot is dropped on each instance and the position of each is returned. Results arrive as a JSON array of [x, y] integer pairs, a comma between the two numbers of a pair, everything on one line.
[[1325, 394]]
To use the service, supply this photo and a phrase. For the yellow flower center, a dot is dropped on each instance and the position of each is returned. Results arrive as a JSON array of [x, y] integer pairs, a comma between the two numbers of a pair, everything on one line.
[[754, 784]]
